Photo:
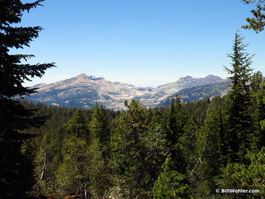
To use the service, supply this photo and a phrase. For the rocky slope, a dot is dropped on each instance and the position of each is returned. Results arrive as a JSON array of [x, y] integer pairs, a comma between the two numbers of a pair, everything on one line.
[[84, 91], [198, 93]]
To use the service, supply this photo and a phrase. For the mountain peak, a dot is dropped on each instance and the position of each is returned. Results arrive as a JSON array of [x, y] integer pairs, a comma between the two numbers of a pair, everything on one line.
[[213, 77], [84, 91], [188, 77], [82, 75], [85, 77]]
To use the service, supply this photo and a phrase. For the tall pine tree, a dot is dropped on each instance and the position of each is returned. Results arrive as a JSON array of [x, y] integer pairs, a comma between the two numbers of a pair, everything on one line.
[[239, 120], [15, 178]]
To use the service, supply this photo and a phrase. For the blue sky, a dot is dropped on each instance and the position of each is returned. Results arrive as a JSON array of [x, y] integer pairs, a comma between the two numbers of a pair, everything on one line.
[[141, 42]]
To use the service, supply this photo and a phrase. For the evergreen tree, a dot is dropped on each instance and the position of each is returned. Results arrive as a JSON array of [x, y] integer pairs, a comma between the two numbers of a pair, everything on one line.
[[175, 129], [257, 23], [15, 178], [209, 149], [239, 132], [187, 143], [138, 151], [99, 129], [48, 157], [257, 111], [127, 152], [170, 183], [73, 173], [262, 100], [77, 125], [99, 151], [246, 177]]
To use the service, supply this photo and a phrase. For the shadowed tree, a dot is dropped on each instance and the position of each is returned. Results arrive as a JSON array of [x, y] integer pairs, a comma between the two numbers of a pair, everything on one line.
[[15, 170]]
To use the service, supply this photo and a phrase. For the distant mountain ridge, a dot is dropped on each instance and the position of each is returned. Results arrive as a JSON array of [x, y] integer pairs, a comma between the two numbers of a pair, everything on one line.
[[199, 92], [84, 91]]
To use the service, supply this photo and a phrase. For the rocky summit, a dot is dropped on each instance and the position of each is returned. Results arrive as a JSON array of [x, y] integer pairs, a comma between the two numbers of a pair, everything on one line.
[[85, 91]]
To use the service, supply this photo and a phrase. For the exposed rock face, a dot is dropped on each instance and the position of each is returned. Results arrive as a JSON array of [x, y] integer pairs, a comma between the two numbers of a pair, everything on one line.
[[84, 91]]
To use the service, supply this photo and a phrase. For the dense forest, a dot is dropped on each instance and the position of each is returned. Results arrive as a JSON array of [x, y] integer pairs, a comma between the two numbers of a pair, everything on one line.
[[213, 148], [209, 148], [186, 150]]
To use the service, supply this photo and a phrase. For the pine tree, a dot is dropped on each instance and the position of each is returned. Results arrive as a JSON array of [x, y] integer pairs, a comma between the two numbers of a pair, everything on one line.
[[257, 23], [257, 111], [15, 179], [238, 101], [262, 101], [99, 150], [127, 151], [99, 129], [170, 183], [175, 129], [209, 150], [138, 151], [246, 177], [73, 173], [77, 125]]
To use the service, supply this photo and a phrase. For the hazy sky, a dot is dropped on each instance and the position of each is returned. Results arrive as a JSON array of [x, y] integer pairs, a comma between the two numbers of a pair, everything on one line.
[[142, 42]]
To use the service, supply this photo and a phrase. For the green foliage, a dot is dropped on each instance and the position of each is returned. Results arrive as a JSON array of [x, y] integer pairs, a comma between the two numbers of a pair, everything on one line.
[[128, 150], [72, 172], [99, 152], [257, 23], [140, 153], [247, 177], [239, 120], [138, 150], [170, 183], [209, 150], [77, 125]]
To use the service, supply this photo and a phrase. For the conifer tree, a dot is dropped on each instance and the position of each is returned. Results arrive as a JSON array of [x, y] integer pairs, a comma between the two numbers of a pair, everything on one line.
[[138, 151], [257, 111], [257, 22], [15, 179], [77, 125], [175, 129], [246, 177], [99, 129], [209, 149], [127, 151], [170, 183], [239, 121], [99, 151], [73, 173]]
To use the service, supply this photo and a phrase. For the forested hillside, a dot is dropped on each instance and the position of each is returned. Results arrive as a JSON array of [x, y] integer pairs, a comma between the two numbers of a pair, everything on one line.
[[191, 150], [178, 151]]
